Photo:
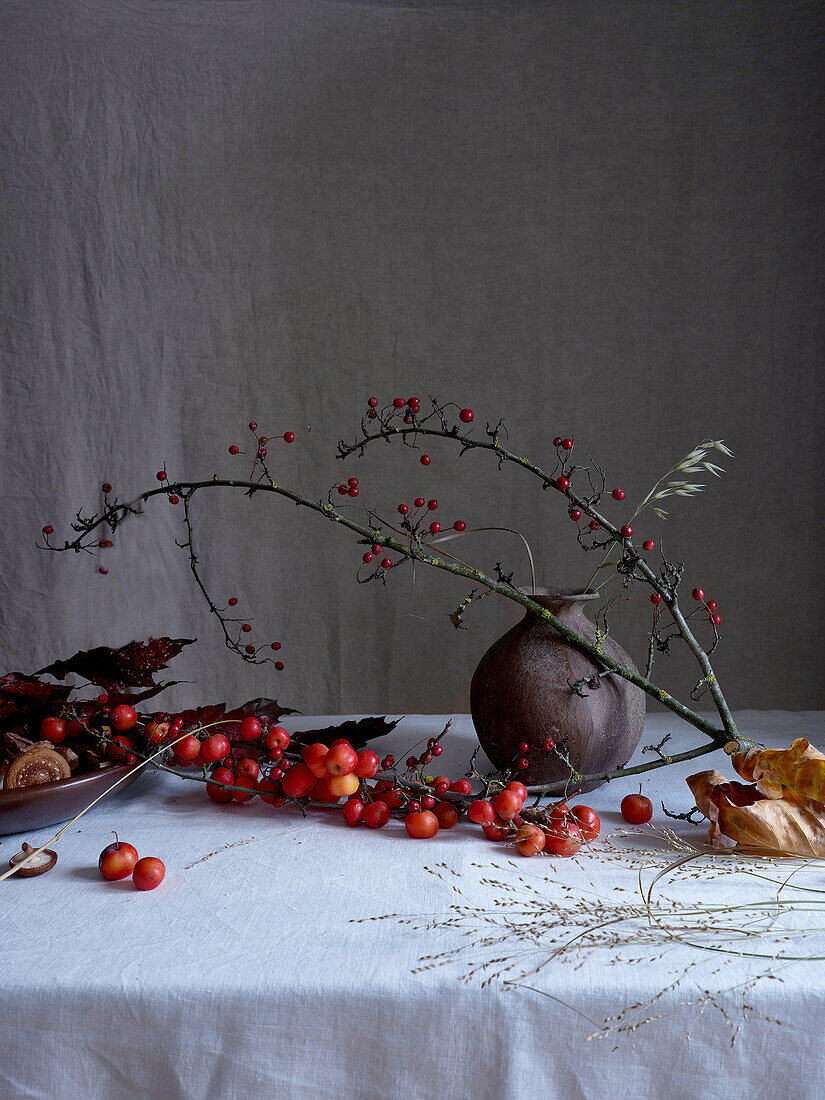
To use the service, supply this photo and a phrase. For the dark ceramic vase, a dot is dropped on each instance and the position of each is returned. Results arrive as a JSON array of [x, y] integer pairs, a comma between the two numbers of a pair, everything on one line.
[[521, 693]]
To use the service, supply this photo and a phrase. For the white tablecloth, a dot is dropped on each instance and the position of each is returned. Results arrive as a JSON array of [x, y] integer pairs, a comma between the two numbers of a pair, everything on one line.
[[244, 974]]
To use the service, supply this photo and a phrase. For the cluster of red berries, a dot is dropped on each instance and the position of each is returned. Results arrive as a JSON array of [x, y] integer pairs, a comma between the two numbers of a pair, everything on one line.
[[261, 442], [711, 606], [408, 408], [120, 748], [348, 489], [120, 860], [563, 834]]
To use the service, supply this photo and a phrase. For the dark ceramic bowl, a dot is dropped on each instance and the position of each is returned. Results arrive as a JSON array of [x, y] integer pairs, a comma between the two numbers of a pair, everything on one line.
[[23, 809]]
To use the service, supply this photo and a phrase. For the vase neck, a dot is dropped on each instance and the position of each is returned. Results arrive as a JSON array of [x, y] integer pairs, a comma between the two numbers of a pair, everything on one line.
[[561, 602]]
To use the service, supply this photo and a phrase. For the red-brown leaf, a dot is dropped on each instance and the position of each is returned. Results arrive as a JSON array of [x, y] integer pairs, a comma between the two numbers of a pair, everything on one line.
[[115, 670]]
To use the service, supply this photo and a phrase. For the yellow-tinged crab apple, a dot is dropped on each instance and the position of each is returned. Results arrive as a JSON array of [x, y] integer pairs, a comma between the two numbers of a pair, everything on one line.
[[343, 785]]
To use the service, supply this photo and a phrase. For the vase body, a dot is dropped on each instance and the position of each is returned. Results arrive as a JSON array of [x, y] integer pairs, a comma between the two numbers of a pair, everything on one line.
[[521, 692]]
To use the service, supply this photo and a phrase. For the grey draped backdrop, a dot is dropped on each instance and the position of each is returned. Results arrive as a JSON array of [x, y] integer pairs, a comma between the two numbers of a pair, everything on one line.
[[598, 219]]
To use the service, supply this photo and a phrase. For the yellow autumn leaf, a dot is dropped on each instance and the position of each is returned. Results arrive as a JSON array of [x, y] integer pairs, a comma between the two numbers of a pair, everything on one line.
[[742, 816], [800, 769]]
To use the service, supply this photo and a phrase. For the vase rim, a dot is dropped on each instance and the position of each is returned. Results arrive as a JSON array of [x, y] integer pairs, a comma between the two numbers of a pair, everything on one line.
[[571, 595]]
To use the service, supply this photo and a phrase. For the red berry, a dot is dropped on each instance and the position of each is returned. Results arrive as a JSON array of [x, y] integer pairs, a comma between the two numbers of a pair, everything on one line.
[[352, 482], [432, 505], [437, 750], [315, 756], [372, 414], [563, 839], [188, 748], [277, 738], [549, 744], [411, 761], [523, 747], [48, 529], [427, 802], [342, 759], [594, 525], [353, 811], [575, 514], [276, 646], [637, 809], [466, 416], [54, 730], [402, 509], [233, 450], [716, 620], [399, 402], [626, 531], [507, 804], [530, 840], [148, 873], [117, 860], [106, 487], [386, 563], [213, 748], [124, 717], [557, 441], [103, 699], [353, 491], [376, 549], [712, 605], [246, 628], [262, 440], [367, 558], [419, 502], [262, 452], [102, 569], [253, 427], [421, 825], [618, 494], [459, 525], [587, 821], [447, 815], [298, 781], [233, 600], [522, 763], [250, 728], [219, 794], [496, 829], [174, 499], [289, 437], [481, 811], [376, 815], [161, 475], [425, 460], [373, 402], [567, 444], [562, 484], [698, 594], [648, 544], [435, 527], [279, 666], [267, 790], [342, 490], [655, 598]]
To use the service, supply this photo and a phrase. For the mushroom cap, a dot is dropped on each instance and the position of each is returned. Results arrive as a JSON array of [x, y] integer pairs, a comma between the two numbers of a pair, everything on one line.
[[37, 865], [36, 766]]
